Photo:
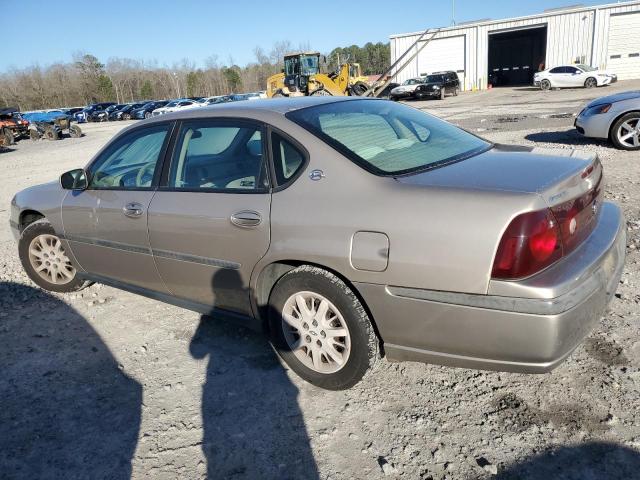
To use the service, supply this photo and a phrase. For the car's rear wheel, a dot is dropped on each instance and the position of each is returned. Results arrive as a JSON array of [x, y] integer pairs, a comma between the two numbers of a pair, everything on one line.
[[320, 329], [45, 261], [75, 131], [456, 91], [590, 83], [545, 84], [625, 133]]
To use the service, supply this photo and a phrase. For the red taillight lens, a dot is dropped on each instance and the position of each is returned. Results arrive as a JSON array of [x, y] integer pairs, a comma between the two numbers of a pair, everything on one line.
[[530, 244]]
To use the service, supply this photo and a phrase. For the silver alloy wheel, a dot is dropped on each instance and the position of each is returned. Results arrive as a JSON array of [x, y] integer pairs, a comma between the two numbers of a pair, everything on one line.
[[49, 261], [316, 332], [629, 132]]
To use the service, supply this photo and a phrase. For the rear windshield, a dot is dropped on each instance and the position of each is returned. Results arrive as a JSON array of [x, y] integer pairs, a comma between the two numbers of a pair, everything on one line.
[[388, 138]]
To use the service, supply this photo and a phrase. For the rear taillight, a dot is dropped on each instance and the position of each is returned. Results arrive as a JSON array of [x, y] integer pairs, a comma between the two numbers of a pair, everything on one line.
[[530, 244], [535, 240]]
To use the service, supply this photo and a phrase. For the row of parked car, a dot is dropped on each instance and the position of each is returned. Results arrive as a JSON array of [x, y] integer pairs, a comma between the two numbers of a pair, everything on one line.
[[111, 111]]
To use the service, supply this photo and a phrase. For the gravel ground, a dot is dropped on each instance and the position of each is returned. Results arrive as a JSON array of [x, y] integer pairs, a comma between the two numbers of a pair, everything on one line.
[[107, 384]]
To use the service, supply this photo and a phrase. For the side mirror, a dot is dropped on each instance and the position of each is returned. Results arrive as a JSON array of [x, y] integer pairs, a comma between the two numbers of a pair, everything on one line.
[[74, 179], [282, 70]]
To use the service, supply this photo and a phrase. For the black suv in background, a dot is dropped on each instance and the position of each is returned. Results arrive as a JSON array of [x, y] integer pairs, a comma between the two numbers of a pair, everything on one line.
[[437, 85]]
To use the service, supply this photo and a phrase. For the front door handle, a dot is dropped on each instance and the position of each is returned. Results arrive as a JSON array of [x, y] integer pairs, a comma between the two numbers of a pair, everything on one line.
[[133, 210], [246, 219]]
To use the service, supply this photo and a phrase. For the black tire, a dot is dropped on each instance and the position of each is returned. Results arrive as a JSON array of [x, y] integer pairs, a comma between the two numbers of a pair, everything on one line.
[[33, 230], [633, 119], [34, 135], [147, 114], [456, 91], [278, 94], [364, 349], [393, 98], [590, 82], [75, 131], [50, 133], [8, 137], [545, 84], [442, 93], [359, 88]]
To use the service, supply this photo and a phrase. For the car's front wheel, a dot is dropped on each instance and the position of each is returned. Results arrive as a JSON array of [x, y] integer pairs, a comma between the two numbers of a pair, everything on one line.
[[625, 133], [320, 329], [45, 261], [590, 83], [545, 84]]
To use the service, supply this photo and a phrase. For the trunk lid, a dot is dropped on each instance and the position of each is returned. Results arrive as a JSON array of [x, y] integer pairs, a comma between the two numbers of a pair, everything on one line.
[[555, 174]]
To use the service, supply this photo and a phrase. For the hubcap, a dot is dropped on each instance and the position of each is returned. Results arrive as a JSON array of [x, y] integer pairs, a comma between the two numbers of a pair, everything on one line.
[[629, 132], [48, 259], [316, 332]]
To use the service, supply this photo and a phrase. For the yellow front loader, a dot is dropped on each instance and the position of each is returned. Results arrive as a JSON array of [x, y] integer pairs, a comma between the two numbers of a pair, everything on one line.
[[301, 77]]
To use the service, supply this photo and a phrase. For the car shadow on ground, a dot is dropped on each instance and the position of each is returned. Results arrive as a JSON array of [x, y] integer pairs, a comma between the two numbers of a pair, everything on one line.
[[565, 137], [591, 460], [253, 427], [66, 409]]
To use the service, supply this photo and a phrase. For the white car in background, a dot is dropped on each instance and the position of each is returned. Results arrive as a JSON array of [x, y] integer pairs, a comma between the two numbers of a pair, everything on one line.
[[407, 89], [567, 76], [175, 105]]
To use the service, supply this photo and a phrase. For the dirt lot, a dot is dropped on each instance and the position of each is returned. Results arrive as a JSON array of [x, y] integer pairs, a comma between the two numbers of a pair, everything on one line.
[[106, 384]]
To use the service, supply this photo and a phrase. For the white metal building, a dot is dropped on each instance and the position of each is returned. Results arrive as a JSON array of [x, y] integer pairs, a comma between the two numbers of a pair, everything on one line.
[[503, 52]]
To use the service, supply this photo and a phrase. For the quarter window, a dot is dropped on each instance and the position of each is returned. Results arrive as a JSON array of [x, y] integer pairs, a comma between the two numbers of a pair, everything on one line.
[[287, 159], [218, 156], [130, 162]]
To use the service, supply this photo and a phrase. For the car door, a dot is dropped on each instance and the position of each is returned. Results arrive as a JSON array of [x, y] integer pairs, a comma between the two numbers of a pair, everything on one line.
[[209, 222], [106, 224], [558, 77], [575, 77]]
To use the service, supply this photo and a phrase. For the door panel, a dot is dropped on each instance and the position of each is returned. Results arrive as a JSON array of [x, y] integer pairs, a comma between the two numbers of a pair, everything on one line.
[[201, 255], [105, 241], [209, 221], [106, 225]]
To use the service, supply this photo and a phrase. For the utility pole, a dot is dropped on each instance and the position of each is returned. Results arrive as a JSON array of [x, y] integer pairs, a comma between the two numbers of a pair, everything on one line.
[[453, 12]]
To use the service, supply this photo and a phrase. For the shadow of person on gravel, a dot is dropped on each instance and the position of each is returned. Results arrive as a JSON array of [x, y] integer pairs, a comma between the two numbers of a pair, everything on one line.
[[565, 137], [253, 427], [592, 460], [66, 409]]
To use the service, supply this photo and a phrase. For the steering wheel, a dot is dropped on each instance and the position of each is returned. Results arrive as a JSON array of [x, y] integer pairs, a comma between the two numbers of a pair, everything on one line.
[[142, 171]]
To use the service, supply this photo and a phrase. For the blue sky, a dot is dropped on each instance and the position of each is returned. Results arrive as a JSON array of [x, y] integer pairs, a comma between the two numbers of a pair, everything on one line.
[[168, 31]]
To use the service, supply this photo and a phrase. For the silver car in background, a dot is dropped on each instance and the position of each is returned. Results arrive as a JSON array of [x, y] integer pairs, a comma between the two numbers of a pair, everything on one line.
[[614, 117], [347, 228]]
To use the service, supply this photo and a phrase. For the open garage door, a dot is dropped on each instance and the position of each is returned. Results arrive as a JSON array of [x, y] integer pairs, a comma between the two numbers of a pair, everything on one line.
[[624, 48], [443, 54], [515, 55]]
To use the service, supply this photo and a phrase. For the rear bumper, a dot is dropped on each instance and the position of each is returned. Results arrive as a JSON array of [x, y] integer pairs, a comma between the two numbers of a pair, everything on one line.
[[529, 334]]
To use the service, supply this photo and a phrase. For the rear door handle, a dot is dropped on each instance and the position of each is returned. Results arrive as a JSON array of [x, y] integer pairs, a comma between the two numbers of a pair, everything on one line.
[[133, 210], [246, 219]]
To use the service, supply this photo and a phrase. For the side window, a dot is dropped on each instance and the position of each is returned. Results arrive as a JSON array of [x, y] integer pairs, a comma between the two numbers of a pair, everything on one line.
[[218, 156], [557, 70], [130, 161], [573, 70], [287, 159]]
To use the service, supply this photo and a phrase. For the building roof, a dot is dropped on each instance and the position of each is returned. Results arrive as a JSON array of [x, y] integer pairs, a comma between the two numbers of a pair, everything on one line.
[[546, 13]]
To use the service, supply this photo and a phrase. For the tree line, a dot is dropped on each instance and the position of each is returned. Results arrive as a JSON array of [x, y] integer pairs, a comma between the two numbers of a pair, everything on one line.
[[86, 79]]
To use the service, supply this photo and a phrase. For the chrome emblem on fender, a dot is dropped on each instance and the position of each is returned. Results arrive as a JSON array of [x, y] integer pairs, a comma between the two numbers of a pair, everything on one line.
[[316, 175]]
